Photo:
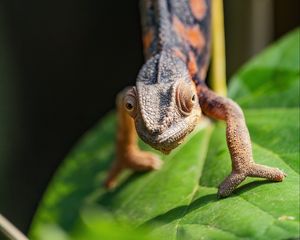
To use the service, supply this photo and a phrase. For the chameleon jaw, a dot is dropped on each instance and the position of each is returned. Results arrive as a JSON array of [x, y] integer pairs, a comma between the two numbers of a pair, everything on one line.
[[171, 137]]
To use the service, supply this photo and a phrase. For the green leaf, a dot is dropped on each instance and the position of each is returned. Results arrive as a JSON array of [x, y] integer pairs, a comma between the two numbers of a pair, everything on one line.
[[179, 201], [272, 78]]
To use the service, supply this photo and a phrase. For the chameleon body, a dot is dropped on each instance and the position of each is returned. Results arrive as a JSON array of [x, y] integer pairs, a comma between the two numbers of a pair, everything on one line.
[[170, 95]]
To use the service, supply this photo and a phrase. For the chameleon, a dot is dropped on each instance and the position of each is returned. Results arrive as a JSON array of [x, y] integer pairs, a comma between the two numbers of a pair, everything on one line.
[[170, 95]]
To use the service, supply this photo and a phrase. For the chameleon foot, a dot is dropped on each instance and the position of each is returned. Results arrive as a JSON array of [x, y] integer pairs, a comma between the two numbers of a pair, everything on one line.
[[273, 174], [136, 160], [142, 161], [230, 183], [255, 170]]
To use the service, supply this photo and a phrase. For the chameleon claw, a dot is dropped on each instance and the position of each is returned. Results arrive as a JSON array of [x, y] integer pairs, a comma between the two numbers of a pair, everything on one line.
[[230, 183], [273, 174], [254, 170], [143, 161]]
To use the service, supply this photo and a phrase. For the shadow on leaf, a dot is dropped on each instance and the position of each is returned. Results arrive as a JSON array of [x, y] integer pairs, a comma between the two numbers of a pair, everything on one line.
[[181, 211], [251, 185]]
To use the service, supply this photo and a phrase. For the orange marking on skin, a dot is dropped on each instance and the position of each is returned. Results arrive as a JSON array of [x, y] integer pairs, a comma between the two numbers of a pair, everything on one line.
[[195, 37], [147, 39], [192, 64], [198, 8], [179, 27], [192, 35], [179, 54]]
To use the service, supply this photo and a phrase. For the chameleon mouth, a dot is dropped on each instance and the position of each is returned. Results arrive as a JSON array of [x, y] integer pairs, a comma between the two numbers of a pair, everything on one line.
[[171, 137]]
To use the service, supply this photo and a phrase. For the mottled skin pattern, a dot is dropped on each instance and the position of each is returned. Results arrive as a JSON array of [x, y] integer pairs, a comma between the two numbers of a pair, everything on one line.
[[166, 103]]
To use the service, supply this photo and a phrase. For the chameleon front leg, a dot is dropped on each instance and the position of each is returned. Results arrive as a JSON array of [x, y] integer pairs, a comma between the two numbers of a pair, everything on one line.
[[238, 141], [128, 154]]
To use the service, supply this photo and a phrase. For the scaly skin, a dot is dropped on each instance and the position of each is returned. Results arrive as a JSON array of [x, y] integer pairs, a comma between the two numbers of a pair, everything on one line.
[[166, 103]]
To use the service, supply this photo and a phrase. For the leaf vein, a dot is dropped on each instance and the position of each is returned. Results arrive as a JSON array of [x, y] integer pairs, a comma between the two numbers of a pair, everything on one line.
[[186, 210]]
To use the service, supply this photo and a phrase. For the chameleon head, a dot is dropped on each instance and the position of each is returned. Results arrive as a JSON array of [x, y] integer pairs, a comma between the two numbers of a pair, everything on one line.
[[164, 103]]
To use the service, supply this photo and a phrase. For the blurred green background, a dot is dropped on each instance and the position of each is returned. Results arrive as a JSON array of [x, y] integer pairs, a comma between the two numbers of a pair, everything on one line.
[[61, 65]]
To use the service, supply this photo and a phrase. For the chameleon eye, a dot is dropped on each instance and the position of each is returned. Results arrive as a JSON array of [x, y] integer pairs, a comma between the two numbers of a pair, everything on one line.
[[185, 98], [130, 103], [129, 106], [193, 98]]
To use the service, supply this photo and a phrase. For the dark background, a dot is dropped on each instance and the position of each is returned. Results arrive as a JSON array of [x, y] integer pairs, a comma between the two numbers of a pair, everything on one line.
[[61, 65]]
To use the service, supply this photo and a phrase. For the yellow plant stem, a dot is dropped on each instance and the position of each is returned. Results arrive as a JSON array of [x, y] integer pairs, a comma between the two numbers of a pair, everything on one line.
[[218, 64]]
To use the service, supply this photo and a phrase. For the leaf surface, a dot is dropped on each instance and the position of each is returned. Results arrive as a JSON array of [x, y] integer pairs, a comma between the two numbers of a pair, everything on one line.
[[179, 201]]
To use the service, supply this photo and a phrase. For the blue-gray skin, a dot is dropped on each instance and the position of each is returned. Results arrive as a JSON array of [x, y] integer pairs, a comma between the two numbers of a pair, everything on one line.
[[166, 103], [160, 122]]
